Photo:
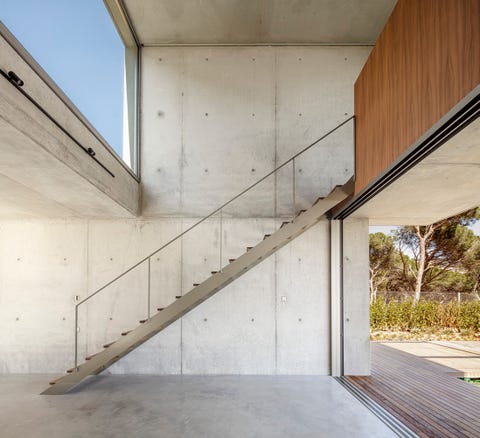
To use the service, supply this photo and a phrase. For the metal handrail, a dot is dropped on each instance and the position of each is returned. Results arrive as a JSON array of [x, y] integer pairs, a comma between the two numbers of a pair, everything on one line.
[[219, 209]]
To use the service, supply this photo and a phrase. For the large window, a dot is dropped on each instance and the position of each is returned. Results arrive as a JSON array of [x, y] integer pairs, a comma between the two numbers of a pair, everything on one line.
[[78, 45]]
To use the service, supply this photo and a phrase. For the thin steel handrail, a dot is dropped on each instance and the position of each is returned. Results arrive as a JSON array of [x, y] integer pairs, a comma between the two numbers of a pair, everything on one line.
[[216, 210], [219, 209]]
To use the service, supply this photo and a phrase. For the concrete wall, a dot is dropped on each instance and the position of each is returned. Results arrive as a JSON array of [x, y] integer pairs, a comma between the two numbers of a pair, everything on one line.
[[214, 120], [272, 320], [356, 299]]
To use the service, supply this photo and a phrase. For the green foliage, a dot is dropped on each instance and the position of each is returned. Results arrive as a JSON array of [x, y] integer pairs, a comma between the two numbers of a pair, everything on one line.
[[384, 263], [410, 316], [451, 281], [441, 257]]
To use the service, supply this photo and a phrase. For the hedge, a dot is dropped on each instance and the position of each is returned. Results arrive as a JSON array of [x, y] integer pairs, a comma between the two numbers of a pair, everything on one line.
[[405, 315]]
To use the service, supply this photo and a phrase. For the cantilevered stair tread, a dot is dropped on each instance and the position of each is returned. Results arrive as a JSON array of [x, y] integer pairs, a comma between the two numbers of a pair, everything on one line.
[[53, 382], [183, 304], [91, 356]]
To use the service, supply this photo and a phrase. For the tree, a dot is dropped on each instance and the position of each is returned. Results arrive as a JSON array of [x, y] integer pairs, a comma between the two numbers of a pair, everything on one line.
[[382, 255], [471, 268], [434, 249]]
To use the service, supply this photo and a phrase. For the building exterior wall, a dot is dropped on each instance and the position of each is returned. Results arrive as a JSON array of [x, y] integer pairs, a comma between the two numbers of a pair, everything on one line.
[[424, 62], [214, 120]]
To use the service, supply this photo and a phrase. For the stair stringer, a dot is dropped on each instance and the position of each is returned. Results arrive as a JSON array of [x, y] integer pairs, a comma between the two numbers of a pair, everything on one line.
[[136, 337]]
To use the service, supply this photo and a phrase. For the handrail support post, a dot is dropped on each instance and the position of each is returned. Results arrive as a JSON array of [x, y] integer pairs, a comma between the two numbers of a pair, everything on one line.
[[76, 338], [293, 188], [220, 268], [148, 291]]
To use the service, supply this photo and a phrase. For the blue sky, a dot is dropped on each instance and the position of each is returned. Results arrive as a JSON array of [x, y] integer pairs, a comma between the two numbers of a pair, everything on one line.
[[76, 43]]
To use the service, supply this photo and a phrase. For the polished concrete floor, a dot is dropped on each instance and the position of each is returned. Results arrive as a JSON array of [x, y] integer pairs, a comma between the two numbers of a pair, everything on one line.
[[174, 406]]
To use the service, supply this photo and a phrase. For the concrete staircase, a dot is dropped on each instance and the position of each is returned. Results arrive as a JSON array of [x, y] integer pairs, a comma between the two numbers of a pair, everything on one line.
[[131, 339]]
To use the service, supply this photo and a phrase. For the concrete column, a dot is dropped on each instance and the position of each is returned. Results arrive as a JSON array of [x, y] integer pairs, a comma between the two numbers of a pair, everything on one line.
[[335, 297], [356, 314]]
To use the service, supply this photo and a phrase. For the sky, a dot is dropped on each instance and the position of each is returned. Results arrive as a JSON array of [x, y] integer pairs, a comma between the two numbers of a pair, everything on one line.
[[76, 43]]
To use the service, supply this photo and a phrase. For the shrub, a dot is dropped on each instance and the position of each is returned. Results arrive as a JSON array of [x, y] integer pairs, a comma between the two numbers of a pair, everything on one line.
[[426, 314], [469, 316]]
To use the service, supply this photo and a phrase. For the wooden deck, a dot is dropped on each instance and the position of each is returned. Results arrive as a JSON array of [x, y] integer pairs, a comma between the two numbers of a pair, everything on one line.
[[418, 384]]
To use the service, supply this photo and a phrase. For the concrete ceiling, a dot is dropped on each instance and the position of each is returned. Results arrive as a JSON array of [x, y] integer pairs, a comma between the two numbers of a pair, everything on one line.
[[443, 184], [34, 183], [258, 21], [19, 201]]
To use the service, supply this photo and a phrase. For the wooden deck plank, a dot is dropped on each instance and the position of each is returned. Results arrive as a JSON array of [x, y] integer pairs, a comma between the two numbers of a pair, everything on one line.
[[409, 374], [416, 413], [449, 392], [423, 429], [423, 410], [458, 390], [423, 394]]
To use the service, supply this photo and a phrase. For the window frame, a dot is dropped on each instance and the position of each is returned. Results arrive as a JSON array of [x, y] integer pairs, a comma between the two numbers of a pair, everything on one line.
[[131, 107]]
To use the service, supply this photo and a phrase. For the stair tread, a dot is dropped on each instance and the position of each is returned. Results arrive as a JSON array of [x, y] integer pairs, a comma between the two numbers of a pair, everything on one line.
[[91, 356], [52, 382]]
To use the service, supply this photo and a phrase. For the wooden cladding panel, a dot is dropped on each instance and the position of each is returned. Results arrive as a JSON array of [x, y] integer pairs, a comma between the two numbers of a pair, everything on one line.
[[425, 61]]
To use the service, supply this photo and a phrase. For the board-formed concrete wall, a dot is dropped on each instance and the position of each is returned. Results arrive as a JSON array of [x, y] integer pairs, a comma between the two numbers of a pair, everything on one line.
[[214, 120]]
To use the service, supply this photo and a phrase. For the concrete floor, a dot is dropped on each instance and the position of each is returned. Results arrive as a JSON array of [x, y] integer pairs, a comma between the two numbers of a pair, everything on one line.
[[458, 357], [468, 346], [174, 406]]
